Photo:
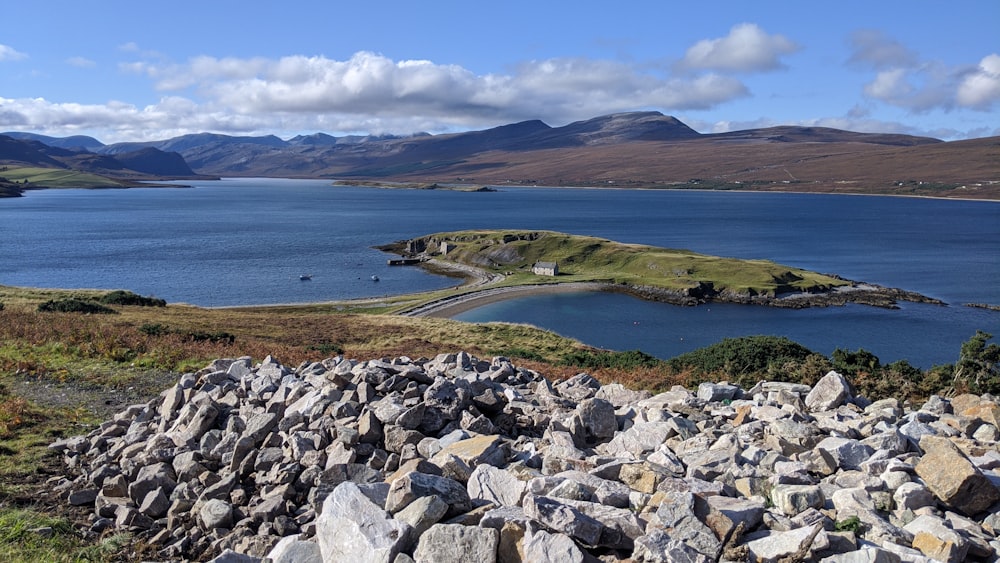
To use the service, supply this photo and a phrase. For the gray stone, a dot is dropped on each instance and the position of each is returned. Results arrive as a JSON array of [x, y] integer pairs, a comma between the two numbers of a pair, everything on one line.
[[446, 543], [293, 549], [230, 556], [953, 479], [563, 518], [935, 539], [352, 528], [642, 437], [489, 484], [413, 485], [774, 546], [725, 514], [658, 547], [83, 496], [716, 392], [676, 513], [831, 391], [793, 499], [155, 504], [215, 513], [541, 546], [598, 417], [912, 496], [422, 513], [848, 453]]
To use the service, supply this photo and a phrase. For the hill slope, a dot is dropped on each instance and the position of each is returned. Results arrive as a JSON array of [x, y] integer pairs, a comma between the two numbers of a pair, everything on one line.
[[636, 149]]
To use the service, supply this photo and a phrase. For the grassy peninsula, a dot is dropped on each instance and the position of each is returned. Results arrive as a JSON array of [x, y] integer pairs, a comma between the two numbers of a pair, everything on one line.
[[505, 259]]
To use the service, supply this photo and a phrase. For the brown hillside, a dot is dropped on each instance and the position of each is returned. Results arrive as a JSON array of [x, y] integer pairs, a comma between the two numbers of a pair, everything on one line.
[[969, 169]]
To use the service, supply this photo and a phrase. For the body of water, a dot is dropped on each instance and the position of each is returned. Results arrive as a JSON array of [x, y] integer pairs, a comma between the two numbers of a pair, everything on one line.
[[247, 241]]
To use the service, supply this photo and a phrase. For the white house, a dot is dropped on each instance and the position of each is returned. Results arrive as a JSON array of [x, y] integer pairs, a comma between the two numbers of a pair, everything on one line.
[[545, 269]]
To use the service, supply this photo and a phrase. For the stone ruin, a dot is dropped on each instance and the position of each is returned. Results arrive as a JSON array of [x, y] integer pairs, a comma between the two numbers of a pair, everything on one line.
[[458, 459]]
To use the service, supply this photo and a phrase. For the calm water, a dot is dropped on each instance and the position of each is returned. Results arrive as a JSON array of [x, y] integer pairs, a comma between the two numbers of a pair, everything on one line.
[[242, 241]]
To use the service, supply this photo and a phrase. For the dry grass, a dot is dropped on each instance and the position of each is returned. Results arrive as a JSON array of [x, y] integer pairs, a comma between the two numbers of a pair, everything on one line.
[[961, 169]]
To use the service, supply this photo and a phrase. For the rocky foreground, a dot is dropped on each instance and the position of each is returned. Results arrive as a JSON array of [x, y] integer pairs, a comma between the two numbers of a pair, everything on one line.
[[457, 459]]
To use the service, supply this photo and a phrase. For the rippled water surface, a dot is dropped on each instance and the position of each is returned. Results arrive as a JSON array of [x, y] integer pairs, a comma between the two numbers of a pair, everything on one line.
[[247, 241]]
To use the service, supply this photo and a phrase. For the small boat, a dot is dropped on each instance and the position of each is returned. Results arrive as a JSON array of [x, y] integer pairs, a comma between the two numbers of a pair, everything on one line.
[[374, 277], [306, 277]]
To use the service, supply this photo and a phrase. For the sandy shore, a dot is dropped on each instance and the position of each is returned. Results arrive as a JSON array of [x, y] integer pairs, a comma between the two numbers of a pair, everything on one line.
[[451, 306]]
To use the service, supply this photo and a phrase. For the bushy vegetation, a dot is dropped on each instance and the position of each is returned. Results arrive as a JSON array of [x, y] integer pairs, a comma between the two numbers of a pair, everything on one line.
[[978, 367], [740, 358], [603, 359], [121, 297], [97, 305], [218, 336], [73, 305]]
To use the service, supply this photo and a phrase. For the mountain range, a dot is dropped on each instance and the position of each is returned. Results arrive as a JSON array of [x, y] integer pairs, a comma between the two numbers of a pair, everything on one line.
[[636, 149]]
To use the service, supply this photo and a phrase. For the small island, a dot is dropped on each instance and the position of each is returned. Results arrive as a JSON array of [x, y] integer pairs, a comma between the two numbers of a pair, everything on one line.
[[414, 186], [499, 264]]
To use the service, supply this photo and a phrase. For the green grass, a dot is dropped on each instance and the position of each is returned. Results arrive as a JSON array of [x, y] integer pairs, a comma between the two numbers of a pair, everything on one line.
[[27, 536], [58, 178], [585, 259]]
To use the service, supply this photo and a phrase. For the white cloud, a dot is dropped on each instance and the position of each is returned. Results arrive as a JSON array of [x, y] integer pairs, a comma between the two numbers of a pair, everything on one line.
[[890, 85], [747, 48], [874, 48], [371, 87], [980, 89], [904, 81], [81, 62], [11, 54]]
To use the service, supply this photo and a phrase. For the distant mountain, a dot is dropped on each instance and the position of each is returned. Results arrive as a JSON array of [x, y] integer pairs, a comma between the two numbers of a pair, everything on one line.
[[26, 153], [155, 162], [75, 142], [186, 142], [642, 149], [144, 164]]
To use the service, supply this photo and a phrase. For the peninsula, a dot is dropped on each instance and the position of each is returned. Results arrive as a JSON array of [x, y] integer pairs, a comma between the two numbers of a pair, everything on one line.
[[506, 263]]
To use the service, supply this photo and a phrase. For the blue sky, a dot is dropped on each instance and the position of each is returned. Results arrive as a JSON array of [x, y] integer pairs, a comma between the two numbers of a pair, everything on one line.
[[135, 70]]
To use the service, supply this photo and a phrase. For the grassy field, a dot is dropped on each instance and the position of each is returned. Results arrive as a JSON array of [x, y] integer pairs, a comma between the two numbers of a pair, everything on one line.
[[589, 259], [56, 178]]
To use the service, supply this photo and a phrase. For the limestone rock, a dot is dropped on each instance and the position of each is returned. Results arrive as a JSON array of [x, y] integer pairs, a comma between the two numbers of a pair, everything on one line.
[[953, 479], [829, 392], [446, 543], [353, 528]]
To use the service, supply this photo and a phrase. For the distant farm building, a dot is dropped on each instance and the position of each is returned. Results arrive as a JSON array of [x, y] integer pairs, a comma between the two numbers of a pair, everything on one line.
[[545, 269]]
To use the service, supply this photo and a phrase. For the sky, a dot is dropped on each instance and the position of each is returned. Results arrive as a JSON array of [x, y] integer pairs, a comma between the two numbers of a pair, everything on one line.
[[138, 71]]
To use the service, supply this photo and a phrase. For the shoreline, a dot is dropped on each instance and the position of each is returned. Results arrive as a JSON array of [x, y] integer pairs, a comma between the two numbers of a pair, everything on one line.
[[448, 307], [496, 187]]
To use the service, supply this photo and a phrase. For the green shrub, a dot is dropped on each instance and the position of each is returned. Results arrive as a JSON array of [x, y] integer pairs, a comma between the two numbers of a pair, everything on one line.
[[71, 305], [154, 329], [852, 524], [214, 337], [327, 348], [120, 297], [746, 355], [594, 359]]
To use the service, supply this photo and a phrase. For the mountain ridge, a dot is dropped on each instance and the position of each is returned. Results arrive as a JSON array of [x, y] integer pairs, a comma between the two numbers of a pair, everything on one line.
[[631, 149]]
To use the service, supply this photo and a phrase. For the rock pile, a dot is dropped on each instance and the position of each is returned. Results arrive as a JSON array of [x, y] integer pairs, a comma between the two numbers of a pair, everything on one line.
[[457, 459]]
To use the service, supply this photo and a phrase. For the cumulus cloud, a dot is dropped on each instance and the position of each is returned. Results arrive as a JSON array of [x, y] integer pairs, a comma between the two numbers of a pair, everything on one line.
[[874, 48], [10, 54], [905, 81], [980, 89], [371, 88], [747, 48]]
